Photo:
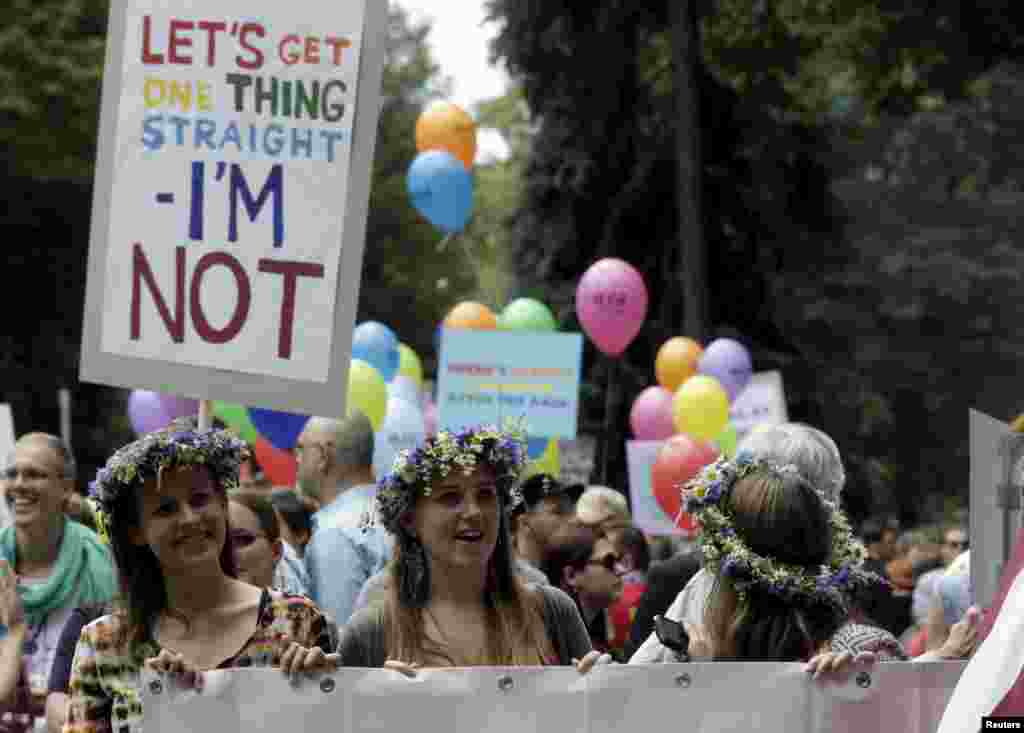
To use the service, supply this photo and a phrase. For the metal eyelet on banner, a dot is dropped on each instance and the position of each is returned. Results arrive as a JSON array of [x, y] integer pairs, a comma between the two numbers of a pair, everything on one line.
[[327, 685], [864, 679], [683, 680], [505, 683], [156, 687]]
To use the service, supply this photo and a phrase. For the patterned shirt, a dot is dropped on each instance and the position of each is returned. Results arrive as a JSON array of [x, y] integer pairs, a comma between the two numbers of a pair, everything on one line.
[[106, 676]]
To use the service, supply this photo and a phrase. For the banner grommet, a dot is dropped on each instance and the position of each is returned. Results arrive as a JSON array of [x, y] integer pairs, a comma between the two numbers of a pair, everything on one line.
[[505, 683], [327, 685], [683, 680], [864, 680]]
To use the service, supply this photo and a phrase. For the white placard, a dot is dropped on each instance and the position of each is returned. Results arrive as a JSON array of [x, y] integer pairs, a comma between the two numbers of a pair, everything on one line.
[[723, 696], [989, 549], [762, 402], [647, 513], [235, 154], [6, 431]]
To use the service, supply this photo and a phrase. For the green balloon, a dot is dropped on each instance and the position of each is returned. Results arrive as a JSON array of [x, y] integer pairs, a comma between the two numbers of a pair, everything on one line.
[[237, 417], [409, 364], [527, 314], [726, 441]]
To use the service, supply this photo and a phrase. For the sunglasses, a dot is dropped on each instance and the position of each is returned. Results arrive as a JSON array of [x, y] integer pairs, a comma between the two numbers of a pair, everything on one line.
[[609, 562], [242, 537]]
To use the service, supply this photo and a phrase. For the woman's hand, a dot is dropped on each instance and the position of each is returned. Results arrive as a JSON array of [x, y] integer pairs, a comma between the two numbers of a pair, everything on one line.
[[298, 659], [700, 643], [963, 637], [406, 668], [838, 663], [168, 662], [12, 612], [593, 657]]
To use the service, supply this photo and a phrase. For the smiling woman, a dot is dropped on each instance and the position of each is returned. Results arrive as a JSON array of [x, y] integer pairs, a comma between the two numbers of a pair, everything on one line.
[[454, 600], [185, 611]]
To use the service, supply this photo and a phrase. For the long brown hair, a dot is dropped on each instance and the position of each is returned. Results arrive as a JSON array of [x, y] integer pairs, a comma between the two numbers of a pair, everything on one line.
[[143, 594], [515, 620], [782, 517]]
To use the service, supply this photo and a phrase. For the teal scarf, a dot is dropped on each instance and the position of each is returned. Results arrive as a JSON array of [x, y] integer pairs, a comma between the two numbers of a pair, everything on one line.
[[84, 564]]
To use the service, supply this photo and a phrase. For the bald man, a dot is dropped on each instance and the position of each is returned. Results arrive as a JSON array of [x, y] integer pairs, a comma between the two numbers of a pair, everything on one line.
[[335, 466]]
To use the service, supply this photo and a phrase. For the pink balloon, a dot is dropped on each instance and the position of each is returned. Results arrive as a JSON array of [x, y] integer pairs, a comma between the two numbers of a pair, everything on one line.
[[611, 303], [651, 416], [430, 418]]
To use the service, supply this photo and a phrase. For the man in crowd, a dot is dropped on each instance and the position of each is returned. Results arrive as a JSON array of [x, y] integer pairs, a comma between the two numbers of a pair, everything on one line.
[[335, 464], [881, 605], [59, 564]]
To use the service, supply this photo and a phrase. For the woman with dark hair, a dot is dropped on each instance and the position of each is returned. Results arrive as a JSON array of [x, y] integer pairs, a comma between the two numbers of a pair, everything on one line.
[[182, 610], [454, 599], [295, 515], [585, 564], [255, 536]]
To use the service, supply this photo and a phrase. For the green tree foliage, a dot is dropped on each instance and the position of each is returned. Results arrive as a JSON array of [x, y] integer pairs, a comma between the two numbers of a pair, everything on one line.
[[793, 270], [51, 60]]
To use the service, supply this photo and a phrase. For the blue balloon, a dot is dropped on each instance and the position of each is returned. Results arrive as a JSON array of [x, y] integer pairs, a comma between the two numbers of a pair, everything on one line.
[[377, 345], [535, 447], [282, 429], [441, 189]]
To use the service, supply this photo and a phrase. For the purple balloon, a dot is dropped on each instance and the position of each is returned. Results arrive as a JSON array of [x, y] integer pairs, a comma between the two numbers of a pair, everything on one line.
[[729, 362], [651, 416], [175, 407], [146, 411]]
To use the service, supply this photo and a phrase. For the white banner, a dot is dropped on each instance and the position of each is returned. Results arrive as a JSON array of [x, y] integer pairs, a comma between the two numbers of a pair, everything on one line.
[[697, 698]]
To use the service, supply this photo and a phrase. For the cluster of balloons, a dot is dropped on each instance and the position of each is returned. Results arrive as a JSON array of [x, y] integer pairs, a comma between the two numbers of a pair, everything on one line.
[[689, 408], [439, 181], [384, 382]]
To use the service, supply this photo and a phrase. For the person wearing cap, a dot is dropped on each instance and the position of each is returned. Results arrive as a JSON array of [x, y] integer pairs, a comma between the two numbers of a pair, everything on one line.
[[547, 505]]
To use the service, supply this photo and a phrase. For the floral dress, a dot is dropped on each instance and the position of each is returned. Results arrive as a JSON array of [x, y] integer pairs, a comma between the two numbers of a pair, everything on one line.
[[106, 676]]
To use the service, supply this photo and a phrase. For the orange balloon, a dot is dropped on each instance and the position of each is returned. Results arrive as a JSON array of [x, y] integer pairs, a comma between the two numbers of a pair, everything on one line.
[[677, 361], [473, 316], [445, 126]]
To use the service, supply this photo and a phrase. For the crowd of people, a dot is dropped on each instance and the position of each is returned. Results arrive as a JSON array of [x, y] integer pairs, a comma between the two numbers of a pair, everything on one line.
[[186, 559]]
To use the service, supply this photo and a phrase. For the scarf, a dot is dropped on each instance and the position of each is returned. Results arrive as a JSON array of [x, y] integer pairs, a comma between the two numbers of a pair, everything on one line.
[[83, 564]]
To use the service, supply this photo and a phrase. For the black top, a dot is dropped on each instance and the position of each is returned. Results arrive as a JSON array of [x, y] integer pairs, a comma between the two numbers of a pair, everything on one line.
[[665, 581]]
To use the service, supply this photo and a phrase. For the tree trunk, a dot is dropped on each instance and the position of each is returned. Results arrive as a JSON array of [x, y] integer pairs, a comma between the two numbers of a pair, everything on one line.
[[691, 264]]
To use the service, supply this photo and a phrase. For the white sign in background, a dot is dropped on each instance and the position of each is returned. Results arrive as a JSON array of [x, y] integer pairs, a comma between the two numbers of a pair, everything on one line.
[[183, 164], [717, 697], [762, 402]]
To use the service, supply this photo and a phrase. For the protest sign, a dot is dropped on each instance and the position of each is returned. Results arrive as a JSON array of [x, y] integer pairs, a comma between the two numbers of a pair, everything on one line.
[[235, 152], [762, 402], [996, 454], [647, 512], [721, 696], [6, 431], [490, 376]]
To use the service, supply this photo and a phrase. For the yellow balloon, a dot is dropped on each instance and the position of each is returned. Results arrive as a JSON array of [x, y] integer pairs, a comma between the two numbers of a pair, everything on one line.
[[445, 126], [409, 364], [550, 461], [700, 408], [367, 392]]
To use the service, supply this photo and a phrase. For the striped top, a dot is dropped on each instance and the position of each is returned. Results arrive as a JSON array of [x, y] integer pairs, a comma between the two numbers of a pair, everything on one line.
[[106, 676]]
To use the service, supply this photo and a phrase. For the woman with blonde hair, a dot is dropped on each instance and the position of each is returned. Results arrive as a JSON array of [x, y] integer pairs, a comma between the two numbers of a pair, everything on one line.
[[454, 599]]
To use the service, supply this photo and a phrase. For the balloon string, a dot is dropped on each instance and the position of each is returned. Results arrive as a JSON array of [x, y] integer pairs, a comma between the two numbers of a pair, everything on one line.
[[444, 242]]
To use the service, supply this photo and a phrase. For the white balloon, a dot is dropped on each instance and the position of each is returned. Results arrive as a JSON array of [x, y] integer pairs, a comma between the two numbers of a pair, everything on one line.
[[404, 388], [403, 428]]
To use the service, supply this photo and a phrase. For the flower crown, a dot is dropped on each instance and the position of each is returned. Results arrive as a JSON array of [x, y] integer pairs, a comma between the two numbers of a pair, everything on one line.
[[413, 472], [834, 582], [179, 444]]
